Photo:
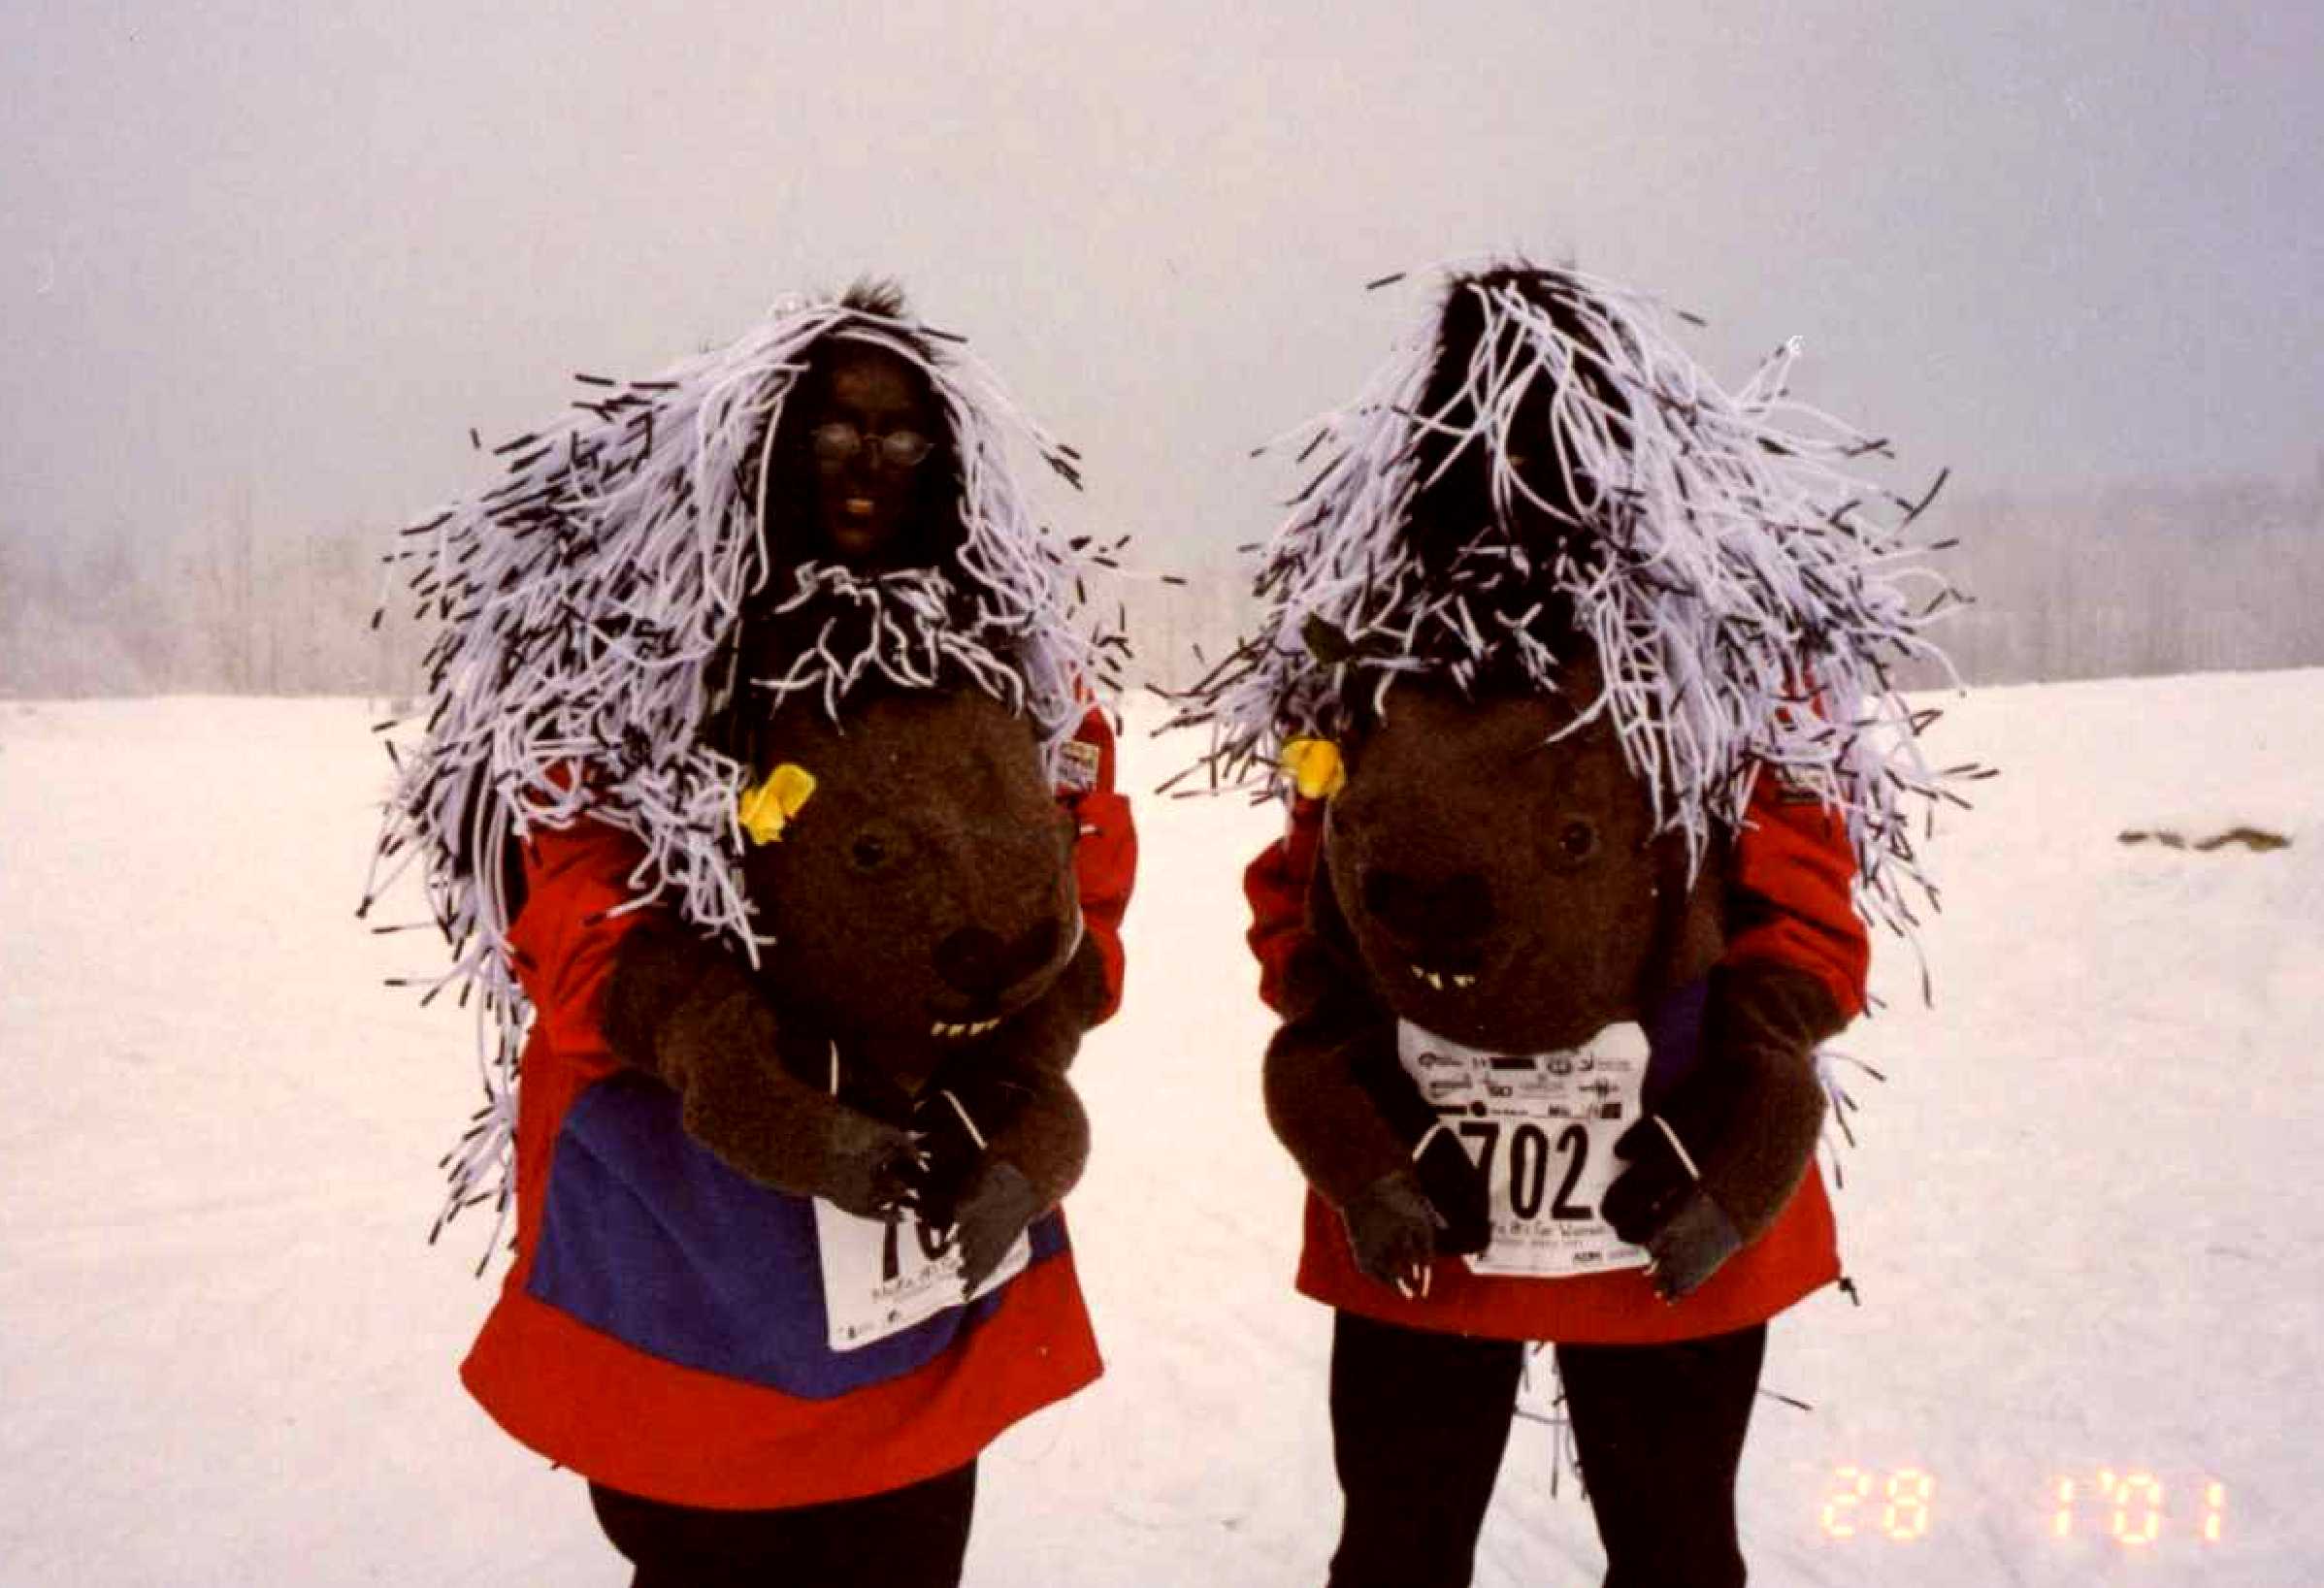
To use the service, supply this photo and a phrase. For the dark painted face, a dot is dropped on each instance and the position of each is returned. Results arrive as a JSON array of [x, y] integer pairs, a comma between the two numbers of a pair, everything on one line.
[[925, 887], [863, 420], [1501, 889]]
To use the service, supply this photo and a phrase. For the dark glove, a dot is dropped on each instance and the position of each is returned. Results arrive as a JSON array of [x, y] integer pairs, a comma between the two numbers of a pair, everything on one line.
[[1006, 1098], [1658, 1203], [1746, 1121], [1459, 1193], [685, 1010], [994, 1211], [1392, 1231], [954, 1121]]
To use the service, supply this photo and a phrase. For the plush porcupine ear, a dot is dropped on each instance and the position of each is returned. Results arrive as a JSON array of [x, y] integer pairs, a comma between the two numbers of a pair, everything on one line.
[[1330, 645], [1325, 641]]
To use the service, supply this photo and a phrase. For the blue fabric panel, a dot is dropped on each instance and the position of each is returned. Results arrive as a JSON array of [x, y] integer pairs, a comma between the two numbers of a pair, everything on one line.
[[649, 1238], [1674, 1038]]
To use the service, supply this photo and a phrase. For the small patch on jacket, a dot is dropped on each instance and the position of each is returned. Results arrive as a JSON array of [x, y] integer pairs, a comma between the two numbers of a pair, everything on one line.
[[1792, 790], [1078, 771]]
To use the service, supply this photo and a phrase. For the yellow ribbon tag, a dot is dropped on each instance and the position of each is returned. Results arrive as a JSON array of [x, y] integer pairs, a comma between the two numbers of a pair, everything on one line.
[[1313, 767], [766, 810]]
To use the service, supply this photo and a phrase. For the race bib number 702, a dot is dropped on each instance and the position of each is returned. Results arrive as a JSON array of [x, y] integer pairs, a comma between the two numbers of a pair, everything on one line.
[[1540, 1127]]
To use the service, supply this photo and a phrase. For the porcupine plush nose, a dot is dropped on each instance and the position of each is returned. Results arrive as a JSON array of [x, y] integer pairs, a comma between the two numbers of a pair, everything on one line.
[[980, 963]]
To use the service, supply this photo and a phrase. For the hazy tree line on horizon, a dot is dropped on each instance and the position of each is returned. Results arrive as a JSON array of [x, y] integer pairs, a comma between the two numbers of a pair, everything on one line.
[[217, 608], [2065, 585]]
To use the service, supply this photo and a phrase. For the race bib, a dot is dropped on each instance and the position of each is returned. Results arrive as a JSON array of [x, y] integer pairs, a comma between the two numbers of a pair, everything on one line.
[[1541, 1128], [881, 1278]]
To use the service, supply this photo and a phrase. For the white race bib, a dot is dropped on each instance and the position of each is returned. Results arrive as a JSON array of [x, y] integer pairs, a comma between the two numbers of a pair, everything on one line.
[[881, 1278], [1541, 1128]]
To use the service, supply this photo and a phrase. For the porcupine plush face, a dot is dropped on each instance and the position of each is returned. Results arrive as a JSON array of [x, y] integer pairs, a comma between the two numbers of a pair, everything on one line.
[[1504, 890], [1503, 884], [924, 889]]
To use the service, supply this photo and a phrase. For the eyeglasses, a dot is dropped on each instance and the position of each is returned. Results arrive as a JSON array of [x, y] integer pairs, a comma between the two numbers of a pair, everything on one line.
[[839, 441]]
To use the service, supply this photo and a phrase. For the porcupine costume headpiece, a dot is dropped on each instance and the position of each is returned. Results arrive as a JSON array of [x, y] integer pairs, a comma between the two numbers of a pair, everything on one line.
[[589, 611], [1741, 588]]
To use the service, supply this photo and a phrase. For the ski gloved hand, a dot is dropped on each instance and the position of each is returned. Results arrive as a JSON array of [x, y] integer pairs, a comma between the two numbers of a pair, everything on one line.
[[1659, 1203], [951, 1122], [997, 1205], [1003, 1138], [1392, 1231], [1457, 1191], [1713, 1168]]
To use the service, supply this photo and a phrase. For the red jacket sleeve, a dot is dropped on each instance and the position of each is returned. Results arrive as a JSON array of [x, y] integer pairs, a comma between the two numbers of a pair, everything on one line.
[[1276, 887], [1793, 902], [564, 937], [1105, 849]]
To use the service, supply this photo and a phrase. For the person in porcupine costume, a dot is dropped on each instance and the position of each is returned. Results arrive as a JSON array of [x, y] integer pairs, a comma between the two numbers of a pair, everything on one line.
[[824, 505], [1543, 455]]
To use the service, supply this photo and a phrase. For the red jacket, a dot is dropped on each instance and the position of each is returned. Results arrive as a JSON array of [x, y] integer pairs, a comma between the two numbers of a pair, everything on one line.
[[1793, 873], [660, 1330]]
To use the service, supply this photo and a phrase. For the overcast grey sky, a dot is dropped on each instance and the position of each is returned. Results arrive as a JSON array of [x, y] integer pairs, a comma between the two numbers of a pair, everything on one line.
[[296, 250]]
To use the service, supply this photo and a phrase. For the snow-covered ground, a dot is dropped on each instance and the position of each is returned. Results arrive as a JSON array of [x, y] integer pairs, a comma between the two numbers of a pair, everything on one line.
[[2083, 1216]]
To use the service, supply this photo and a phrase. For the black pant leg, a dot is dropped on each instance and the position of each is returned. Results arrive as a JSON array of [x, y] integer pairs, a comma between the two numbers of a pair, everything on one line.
[[660, 1539], [911, 1538], [1419, 1422], [1659, 1429], [914, 1536]]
